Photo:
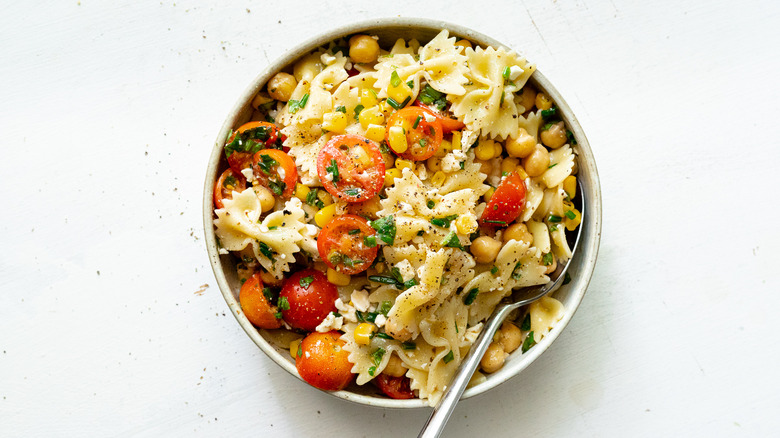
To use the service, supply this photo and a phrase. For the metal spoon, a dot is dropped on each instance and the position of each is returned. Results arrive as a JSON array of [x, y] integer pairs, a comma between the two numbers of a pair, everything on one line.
[[441, 413]]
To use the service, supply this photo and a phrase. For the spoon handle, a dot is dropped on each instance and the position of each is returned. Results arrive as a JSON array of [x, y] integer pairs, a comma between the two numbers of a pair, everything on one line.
[[441, 413]]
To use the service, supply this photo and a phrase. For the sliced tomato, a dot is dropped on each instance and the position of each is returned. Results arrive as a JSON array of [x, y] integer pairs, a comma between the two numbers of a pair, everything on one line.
[[507, 202], [448, 124], [423, 137], [394, 387], [249, 138], [228, 182], [323, 362], [351, 167], [309, 298], [345, 244], [255, 305], [276, 170]]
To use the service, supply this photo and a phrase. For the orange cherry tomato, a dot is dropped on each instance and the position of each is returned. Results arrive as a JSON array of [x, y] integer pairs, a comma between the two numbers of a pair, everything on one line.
[[394, 387], [310, 298], [448, 124], [323, 362], [507, 202], [422, 137], [252, 137], [348, 244], [255, 305], [351, 167], [228, 182], [275, 170]]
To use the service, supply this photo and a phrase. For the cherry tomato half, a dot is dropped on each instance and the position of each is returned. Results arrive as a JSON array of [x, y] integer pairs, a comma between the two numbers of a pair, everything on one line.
[[422, 137], [255, 305], [394, 387], [323, 362], [310, 297], [228, 182], [348, 244], [351, 167], [252, 137], [507, 202], [275, 170], [448, 124]]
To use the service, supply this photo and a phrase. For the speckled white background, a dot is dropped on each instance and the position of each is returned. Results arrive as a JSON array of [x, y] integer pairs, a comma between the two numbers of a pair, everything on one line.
[[110, 320]]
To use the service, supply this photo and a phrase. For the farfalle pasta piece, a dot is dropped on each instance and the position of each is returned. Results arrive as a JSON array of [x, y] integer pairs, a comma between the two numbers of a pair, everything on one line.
[[544, 312], [561, 165]]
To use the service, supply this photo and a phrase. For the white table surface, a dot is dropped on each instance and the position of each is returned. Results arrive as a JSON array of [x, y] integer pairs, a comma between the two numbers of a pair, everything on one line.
[[111, 321]]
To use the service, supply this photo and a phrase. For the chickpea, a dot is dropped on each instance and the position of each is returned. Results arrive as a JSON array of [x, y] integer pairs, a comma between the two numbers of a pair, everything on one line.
[[552, 265], [528, 98], [485, 167], [281, 86], [485, 249], [543, 102], [395, 367], [508, 165], [463, 43], [511, 337], [267, 200], [493, 359], [434, 164], [554, 136], [363, 49], [522, 146], [519, 232], [537, 162]]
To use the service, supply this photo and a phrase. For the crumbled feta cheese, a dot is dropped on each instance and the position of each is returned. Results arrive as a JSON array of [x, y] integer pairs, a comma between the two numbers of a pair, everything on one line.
[[406, 208], [380, 320], [347, 311], [281, 171], [329, 176], [406, 269], [359, 299], [429, 118], [472, 333], [459, 155], [514, 72], [450, 163], [327, 58], [249, 174], [331, 322], [468, 138]]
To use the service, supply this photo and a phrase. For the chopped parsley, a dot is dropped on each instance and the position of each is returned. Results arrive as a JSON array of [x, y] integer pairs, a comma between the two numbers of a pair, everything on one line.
[[546, 114], [429, 96], [277, 187], [529, 342], [377, 357], [547, 259], [570, 136], [449, 357], [242, 143], [313, 200], [385, 229], [451, 241], [352, 191], [266, 163], [306, 281], [266, 251], [353, 232], [471, 296], [293, 106], [526, 325], [341, 109], [395, 80], [269, 294], [410, 84], [494, 270], [384, 307], [333, 169], [444, 222], [283, 303], [369, 241], [517, 272]]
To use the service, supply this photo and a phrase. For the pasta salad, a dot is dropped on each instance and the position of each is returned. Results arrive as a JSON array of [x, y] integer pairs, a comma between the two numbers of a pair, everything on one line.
[[383, 201]]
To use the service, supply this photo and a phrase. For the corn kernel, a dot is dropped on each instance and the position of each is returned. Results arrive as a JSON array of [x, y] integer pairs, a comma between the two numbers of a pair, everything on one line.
[[466, 224], [294, 344], [402, 164], [371, 116], [438, 179], [301, 191], [368, 97], [570, 186], [363, 333], [456, 137], [397, 139], [485, 150], [325, 197], [399, 93], [338, 278], [571, 224], [375, 133], [489, 194], [543, 102], [359, 154], [509, 165], [386, 108], [520, 171], [324, 215], [334, 122], [390, 176]]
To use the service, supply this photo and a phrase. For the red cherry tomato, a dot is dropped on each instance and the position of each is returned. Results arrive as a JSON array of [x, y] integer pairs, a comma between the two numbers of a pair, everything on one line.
[[422, 137], [343, 245], [323, 362], [275, 170], [394, 387], [351, 167], [448, 124], [507, 202], [252, 137], [310, 297], [228, 182], [255, 305]]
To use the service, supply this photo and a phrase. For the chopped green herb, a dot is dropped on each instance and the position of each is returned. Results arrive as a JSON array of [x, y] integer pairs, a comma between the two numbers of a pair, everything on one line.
[[429, 96], [571, 138], [408, 284], [489, 221], [385, 228], [395, 80], [352, 191], [229, 182], [384, 307], [358, 109], [341, 109], [410, 84], [506, 73], [546, 114], [392, 102], [416, 122], [452, 241], [382, 279], [444, 222], [493, 270], [528, 342], [457, 330], [266, 163], [552, 165], [314, 200], [306, 281], [554, 218], [471, 296], [517, 272], [423, 141], [547, 259], [269, 118], [371, 370], [570, 214], [449, 357], [409, 345], [269, 294], [382, 335], [421, 232], [300, 349], [273, 227], [553, 227], [566, 279], [526, 325], [370, 241], [430, 204], [546, 126], [501, 102], [384, 148], [293, 106], [277, 187], [378, 355], [333, 169], [266, 251], [406, 101], [278, 315], [283, 303], [462, 164]]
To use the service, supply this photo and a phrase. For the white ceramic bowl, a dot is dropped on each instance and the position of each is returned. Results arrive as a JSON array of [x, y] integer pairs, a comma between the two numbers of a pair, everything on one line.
[[388, 31]]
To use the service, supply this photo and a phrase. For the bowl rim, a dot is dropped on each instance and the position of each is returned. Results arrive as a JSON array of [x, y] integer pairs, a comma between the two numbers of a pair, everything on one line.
[[591, 220]]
